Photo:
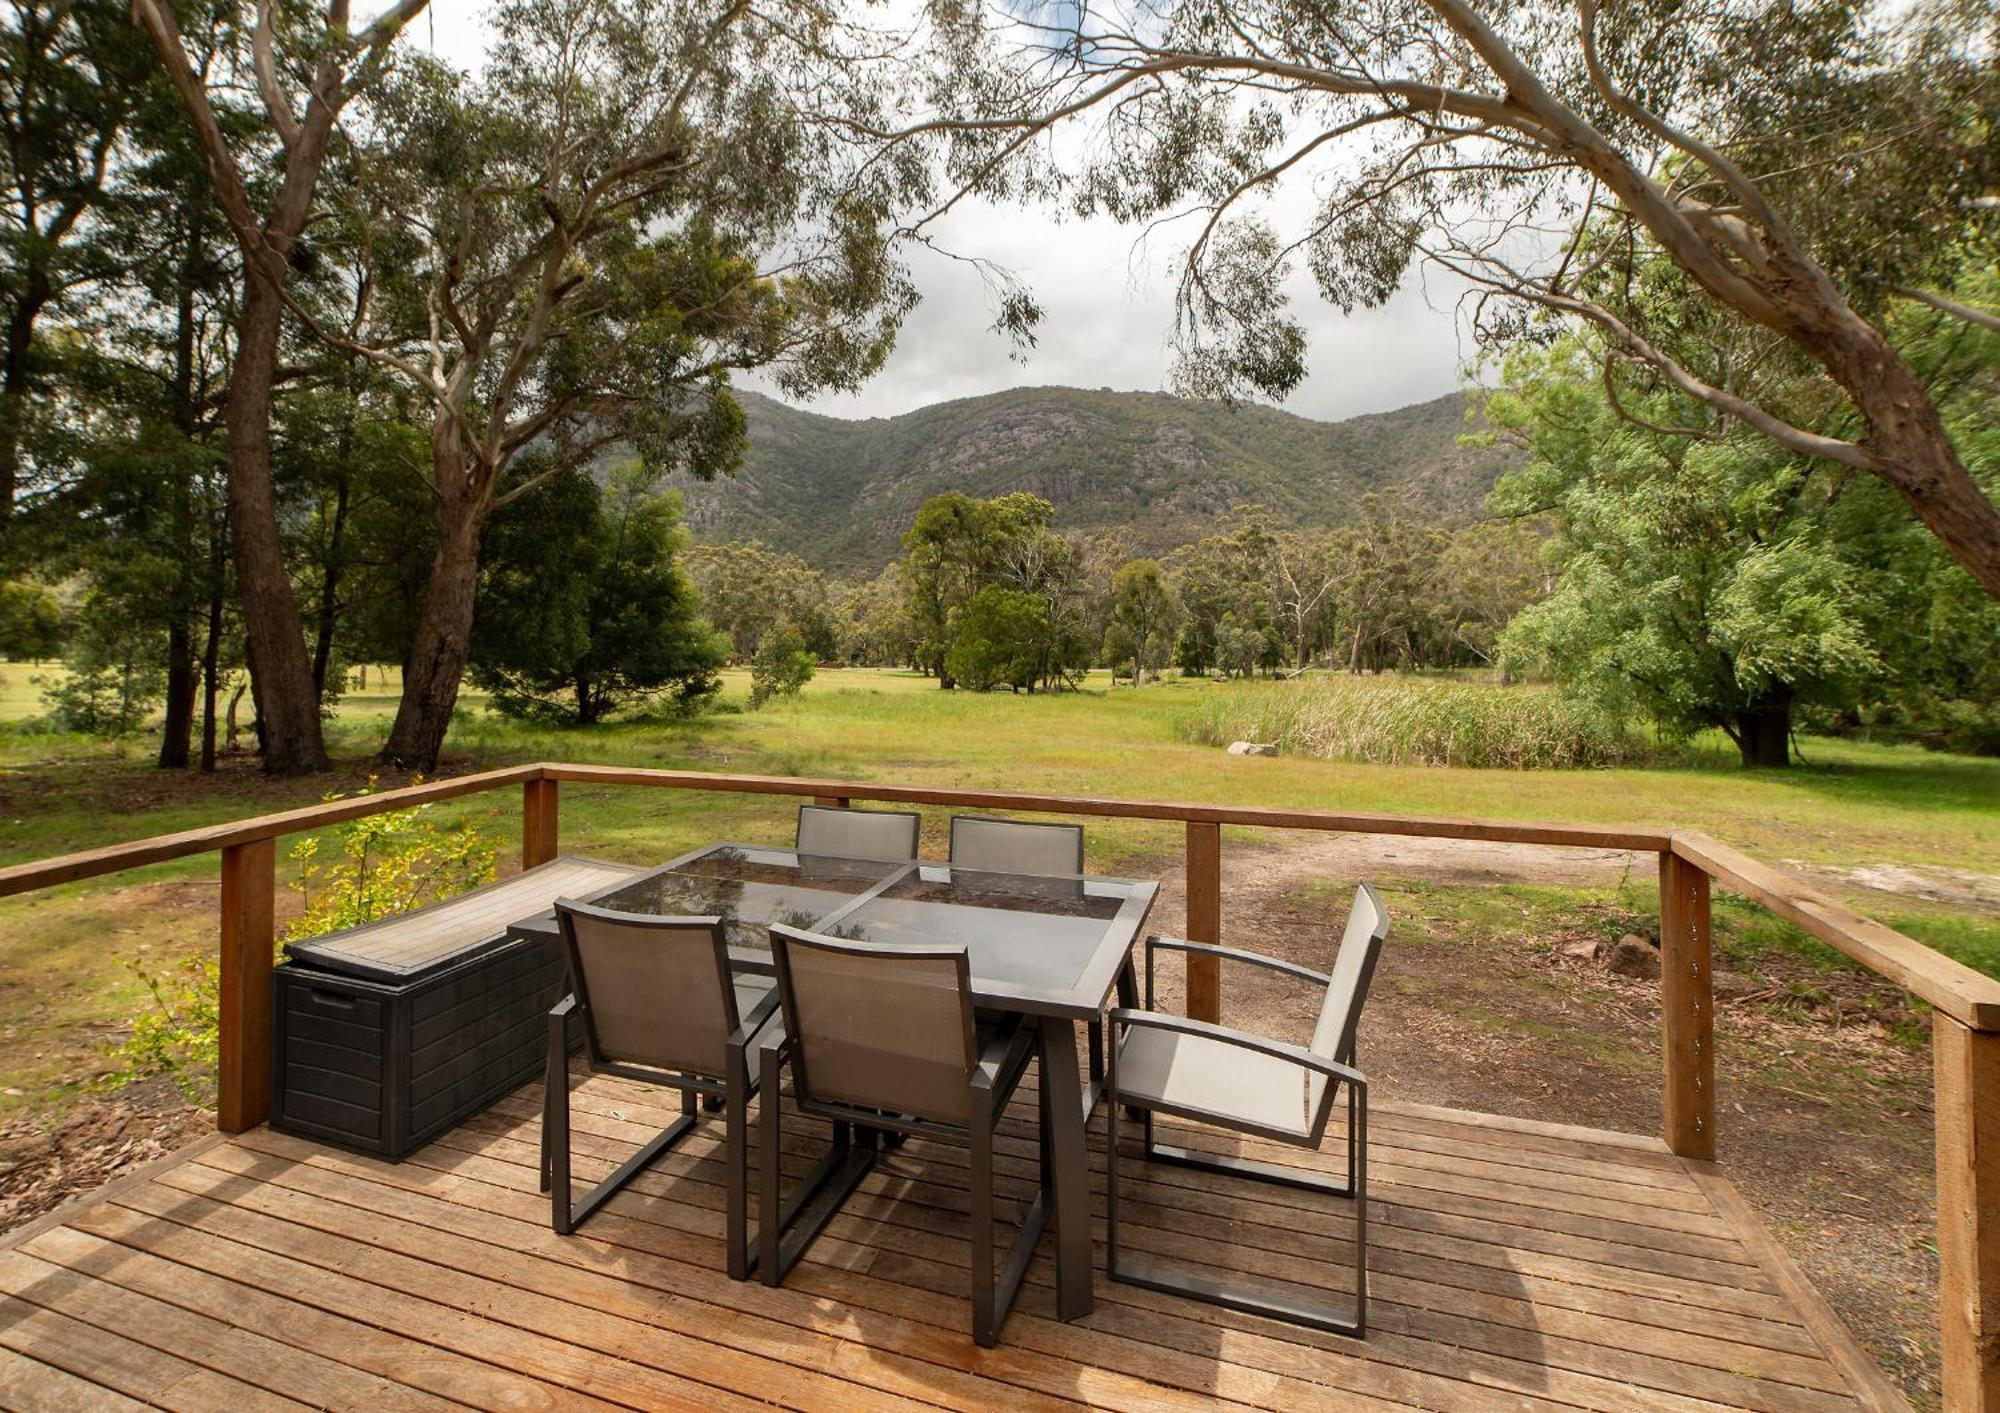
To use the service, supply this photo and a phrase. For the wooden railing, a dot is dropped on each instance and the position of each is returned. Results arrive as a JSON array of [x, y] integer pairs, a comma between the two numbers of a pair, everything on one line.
[[1965, 1003]]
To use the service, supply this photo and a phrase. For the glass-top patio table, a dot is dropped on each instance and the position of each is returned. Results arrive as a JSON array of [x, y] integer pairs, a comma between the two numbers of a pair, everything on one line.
[[1052, 949]]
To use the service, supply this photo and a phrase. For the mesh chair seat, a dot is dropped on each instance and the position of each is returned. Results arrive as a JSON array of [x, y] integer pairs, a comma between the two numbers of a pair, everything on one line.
[[1201, 1078]]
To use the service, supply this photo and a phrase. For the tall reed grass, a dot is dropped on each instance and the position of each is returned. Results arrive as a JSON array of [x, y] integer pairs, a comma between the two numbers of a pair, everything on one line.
[[1417, 721]]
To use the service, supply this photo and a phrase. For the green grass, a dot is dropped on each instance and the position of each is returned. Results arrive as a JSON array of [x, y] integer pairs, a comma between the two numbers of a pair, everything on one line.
[[1419, 721]]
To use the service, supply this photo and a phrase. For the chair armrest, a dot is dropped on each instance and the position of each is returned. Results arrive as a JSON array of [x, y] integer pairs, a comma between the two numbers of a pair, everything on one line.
[[563, 1009], [1241, 1040], [1236, 954], [1003, 1055], [748, 1026]]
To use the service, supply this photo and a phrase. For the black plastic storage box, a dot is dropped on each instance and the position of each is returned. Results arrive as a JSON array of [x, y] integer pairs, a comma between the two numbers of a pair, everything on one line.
[[390, 1033]]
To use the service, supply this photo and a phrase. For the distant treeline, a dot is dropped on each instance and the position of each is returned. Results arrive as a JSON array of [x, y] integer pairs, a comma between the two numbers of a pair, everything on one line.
[[990, 594]]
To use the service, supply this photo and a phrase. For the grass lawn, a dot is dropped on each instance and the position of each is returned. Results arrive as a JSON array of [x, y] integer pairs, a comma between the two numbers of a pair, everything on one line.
[[65, 977]]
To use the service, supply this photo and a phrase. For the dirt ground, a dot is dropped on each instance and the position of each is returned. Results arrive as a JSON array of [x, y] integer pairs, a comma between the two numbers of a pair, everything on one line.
[[1825, 1101]]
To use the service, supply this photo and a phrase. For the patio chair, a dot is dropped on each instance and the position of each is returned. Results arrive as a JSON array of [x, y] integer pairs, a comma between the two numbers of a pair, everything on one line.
[[1262, 1088], [881, 1036], [659, 1004], [1047, 850], [1011, 846], [886, 835]]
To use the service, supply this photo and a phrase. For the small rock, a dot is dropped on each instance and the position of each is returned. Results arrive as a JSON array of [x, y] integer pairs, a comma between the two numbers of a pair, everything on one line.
[[1634, 956], [1253, 748], [1585, 950]]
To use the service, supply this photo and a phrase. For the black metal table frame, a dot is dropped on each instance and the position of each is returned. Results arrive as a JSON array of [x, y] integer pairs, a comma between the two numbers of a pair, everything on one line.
[[1068, 1098]]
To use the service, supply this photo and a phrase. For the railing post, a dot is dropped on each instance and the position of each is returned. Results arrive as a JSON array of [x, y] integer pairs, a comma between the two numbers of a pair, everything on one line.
[[538, 822], [1968, 1211], [1204, 919], [249, 937], [1687, 1008]]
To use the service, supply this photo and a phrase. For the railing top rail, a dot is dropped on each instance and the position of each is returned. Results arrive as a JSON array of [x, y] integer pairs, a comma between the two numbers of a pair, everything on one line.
[[1968, 996], [1586, 836], [161, 848], [1953, 988]]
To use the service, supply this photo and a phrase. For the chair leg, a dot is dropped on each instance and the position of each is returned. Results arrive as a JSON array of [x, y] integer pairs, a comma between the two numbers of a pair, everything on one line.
[[770, 1069], [787, 1227], [1147, 1271], [555, 1143], [985, 1329], [1111, 1109], [737, 1142]]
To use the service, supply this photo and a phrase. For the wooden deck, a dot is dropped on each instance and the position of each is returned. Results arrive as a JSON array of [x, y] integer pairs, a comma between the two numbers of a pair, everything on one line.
[[1514, 1265]]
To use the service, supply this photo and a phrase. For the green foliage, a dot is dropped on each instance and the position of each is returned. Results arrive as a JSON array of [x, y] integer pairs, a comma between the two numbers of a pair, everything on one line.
[[583, 607], [30, 621], [1418, 722], [114, 675], [750, 589], [781, 667], [378, 865], [1713, 581], [999, 639], [387, 863], [1145, 607], [177, 1035], [959, 550]]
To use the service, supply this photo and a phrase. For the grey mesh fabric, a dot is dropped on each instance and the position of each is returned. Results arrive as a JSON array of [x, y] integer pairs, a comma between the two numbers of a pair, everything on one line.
[[857, 834], [1009, 846], [1215, 1077], [880, 1029], [1333, 1037], [654, 994]]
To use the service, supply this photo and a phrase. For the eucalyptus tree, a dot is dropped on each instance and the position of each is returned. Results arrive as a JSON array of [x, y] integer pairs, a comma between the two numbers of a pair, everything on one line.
[[1793, 163], [305, 64], [633, 201], [72, 73]]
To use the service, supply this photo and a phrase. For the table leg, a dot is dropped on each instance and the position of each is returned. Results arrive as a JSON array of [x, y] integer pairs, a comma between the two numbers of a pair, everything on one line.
[[1069, 1164]]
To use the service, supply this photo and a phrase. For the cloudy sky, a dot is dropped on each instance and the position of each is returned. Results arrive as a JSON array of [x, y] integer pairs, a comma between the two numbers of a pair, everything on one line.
[[1108, 302]]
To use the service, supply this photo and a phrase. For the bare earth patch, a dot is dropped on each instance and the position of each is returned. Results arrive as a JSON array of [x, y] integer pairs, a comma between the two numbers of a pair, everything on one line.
[[46, 1161]]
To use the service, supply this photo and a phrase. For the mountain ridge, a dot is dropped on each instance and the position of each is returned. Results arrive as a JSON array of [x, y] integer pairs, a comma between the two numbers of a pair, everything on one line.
[[841, 491]]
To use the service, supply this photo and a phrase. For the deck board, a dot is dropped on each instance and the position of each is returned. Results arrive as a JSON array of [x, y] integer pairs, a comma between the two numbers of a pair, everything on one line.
[[1512, 1265]]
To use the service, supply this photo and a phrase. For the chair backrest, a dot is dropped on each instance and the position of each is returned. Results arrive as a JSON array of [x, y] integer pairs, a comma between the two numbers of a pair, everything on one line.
[[1353, 969], [1010, 846], [876, 1025], [654, 991], [889, 835]]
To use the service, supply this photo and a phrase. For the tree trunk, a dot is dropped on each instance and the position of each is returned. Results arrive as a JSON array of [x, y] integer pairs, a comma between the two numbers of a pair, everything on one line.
[[211, 658], [182, 682], [235, 699], [1763, 733], [183, 675], [14, 387], [274, 644], [329, 590], [436, 661]]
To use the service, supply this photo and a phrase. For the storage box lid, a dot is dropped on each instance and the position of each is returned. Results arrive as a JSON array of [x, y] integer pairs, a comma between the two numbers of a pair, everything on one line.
[[409, 945]]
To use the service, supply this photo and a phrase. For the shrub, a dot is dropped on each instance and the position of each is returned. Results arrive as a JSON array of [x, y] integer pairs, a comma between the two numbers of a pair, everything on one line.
[[781, 667], [381, 864], [1415, 721]]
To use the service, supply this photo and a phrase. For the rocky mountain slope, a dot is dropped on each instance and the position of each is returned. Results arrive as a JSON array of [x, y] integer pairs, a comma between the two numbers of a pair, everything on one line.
[[841, 492]]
